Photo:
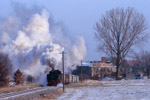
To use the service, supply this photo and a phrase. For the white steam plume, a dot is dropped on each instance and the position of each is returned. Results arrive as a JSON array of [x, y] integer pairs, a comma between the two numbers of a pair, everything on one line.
[[32, 46]]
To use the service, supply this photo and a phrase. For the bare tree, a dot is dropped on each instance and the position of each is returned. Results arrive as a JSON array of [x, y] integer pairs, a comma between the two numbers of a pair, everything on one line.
[[144, 58], [5, 67], [118, 31]]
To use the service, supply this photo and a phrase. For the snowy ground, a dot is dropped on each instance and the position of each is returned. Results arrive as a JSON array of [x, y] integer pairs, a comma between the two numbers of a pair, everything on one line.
[[110, 90]]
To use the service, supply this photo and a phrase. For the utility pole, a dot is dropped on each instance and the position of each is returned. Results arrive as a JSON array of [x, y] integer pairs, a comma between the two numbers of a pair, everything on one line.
[[63, 70], [81, 72]]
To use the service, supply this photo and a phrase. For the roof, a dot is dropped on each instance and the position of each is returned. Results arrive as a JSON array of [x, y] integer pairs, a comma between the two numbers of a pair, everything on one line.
[[87, 64], [132, 62], [97, 64]]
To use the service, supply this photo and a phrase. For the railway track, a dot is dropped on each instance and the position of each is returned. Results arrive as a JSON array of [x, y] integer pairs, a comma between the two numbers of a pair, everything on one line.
[[27, 94]]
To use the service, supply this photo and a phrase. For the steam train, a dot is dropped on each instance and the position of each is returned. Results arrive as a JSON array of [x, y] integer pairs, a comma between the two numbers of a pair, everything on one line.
[[55, 77]]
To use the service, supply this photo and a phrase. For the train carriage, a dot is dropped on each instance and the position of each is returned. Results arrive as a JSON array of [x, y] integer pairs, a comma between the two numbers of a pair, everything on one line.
[[54, 77]]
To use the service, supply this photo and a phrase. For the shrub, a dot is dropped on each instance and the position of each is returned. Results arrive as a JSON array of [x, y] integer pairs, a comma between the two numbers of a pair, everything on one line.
[[30, 79]]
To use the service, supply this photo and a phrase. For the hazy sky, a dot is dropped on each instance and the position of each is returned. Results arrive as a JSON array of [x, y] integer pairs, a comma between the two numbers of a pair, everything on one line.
[[80, 16]]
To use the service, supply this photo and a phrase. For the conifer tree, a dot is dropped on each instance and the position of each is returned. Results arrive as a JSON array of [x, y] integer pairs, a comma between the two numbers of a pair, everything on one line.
[[18, 77]]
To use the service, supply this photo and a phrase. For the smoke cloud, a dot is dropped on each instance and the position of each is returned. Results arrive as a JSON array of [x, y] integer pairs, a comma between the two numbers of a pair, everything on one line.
[[34, 42]]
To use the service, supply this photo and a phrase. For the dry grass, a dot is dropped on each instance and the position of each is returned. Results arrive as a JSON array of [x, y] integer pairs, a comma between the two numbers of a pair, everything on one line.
[[52, 96], [17, 87], [84, 83]]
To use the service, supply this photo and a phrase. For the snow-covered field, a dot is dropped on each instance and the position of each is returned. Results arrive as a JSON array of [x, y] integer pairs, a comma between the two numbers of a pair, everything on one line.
[[110, 90]]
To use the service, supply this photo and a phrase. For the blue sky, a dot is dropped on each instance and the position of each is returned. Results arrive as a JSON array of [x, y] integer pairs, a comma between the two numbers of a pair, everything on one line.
[[80, 16]]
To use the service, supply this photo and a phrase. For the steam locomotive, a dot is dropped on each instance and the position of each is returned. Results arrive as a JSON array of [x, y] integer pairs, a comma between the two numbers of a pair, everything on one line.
[[55, 77]]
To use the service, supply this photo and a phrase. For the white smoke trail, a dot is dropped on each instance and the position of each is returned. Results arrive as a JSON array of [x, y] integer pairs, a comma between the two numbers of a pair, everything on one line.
[[31, 46]]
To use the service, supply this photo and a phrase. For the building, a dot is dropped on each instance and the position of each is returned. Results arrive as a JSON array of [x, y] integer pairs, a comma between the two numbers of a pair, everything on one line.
[[96, 69]]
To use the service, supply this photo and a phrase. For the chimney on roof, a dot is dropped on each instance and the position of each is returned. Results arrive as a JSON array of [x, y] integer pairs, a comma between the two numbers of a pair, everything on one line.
[[103, 59]]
